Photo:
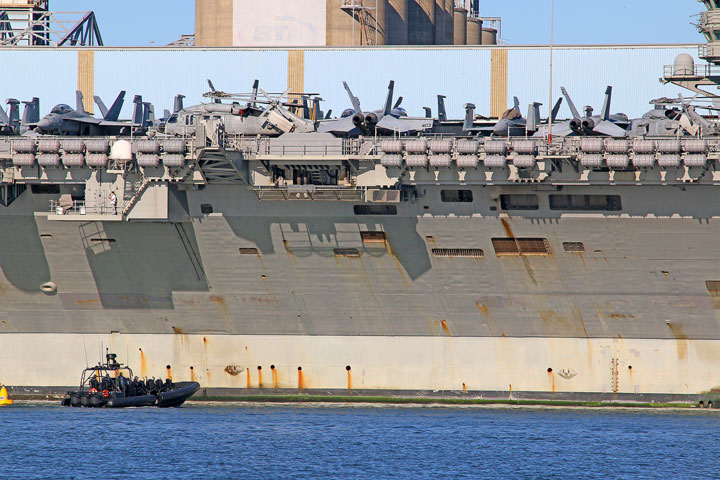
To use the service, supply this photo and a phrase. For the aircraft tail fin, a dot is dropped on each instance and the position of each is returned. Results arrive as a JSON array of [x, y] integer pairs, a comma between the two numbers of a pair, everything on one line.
[[148, 114], [316, 112], [398, 103], [442, 114], [606, 105], [178, 103], [574, 110], [14, 114], [516, 103], [353, 99], [469, 116], [101, 106], [328, 115], [79, 105], [305, 107], [114, 113], [555, 110], [389, 98], [31, 113], [4, 120], [137, 117], [533, 117], [166, 113], [428, 112]]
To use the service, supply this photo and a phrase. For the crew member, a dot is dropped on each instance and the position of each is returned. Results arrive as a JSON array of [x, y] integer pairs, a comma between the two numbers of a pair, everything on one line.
[[113, 202]]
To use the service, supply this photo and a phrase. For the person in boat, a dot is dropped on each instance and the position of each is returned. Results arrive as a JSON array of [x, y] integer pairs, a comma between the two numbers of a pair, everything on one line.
[[122, 383], [139, 386]]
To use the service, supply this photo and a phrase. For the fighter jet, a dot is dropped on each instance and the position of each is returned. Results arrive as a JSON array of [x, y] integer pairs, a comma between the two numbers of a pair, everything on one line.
[[604, 124], [64, 120], [511, 123], [390, 119]]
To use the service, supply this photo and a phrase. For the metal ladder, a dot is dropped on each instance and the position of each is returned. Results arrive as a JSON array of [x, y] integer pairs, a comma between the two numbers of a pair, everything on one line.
[[133, 194]]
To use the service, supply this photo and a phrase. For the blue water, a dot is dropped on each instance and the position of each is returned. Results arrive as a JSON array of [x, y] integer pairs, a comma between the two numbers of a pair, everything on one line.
[[308, 442]]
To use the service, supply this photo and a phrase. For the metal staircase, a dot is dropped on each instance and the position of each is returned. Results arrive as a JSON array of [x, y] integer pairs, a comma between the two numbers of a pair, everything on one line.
[[366, 17], [133, 191]]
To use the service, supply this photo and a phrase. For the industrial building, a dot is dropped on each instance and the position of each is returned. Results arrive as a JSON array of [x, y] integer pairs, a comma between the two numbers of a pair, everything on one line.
[[246, 23]]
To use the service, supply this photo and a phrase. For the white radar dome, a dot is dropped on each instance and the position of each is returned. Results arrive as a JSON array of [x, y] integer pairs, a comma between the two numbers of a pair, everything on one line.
[[121, 151], [684, 65]]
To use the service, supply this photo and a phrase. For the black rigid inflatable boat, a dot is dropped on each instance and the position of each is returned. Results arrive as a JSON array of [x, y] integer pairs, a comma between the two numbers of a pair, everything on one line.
[[112, 385]]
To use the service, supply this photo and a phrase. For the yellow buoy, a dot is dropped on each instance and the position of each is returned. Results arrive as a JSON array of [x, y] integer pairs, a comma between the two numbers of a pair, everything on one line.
[[4, 400]]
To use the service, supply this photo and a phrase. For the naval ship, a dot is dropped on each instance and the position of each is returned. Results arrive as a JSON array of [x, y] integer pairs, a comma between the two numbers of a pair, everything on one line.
[[569, 268]]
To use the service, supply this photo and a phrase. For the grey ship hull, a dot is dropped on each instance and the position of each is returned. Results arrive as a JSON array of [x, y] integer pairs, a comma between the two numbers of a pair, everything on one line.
[[631, 316]]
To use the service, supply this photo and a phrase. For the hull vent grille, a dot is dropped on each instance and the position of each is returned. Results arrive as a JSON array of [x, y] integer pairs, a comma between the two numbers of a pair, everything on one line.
[[458, 252], [521, 246]]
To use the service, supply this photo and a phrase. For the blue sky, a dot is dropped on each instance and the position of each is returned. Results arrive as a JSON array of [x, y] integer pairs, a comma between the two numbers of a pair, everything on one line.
[[525, 22]]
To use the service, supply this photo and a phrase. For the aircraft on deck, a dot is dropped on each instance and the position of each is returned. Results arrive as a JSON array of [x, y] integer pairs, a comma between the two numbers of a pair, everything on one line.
[[244, 116], [605, 124], [511, 123], [64, 120], [390, 119]]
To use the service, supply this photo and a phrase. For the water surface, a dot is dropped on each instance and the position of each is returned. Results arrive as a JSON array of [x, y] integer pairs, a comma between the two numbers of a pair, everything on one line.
[[204, 440]]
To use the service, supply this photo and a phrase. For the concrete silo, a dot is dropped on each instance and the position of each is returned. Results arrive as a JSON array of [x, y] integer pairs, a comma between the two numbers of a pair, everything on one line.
[[444, 22], [449, 21], [355, 22], [460, 28], [421, 22], [489, 36], [396, 22], [474, 31]]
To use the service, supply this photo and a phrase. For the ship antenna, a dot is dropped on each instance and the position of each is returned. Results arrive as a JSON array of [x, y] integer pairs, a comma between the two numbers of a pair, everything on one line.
[[87, 365], [550, 104]]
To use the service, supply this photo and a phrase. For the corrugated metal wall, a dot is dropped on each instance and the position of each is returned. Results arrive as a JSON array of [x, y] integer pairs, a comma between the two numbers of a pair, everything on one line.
[[159, 75], [420, 75], [463, 75], [49, 75], [634, 74]]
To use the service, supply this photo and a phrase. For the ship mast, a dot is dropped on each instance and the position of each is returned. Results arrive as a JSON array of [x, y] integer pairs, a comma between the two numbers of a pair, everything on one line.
[[699, 78]]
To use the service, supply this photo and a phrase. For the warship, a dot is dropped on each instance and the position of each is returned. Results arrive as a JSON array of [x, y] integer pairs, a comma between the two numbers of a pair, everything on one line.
[[570, 267]]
